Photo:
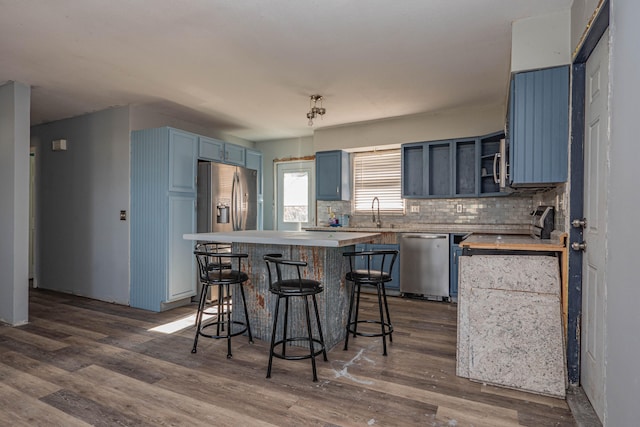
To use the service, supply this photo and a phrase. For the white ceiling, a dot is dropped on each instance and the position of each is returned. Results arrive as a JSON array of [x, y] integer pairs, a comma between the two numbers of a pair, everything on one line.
[[248, 67]]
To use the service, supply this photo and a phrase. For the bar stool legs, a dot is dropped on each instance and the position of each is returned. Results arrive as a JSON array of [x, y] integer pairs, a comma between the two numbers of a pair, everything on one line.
[[386, 327], [223, 319], [370, 268], [282, 343]]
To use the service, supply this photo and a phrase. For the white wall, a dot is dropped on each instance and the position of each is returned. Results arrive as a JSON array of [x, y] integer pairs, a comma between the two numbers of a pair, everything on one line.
[[14, 209], [282, 149], [541, 42], [623, 274], [147, 117], [456, 123], [463, 122], [83, 247]]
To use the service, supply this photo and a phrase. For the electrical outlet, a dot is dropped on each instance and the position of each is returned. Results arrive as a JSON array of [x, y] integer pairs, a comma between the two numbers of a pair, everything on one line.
[[415, 209], [459, 208]]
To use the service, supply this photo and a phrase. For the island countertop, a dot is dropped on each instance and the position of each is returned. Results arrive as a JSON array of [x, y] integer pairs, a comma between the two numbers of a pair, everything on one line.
[[513, 242], [329, 239]]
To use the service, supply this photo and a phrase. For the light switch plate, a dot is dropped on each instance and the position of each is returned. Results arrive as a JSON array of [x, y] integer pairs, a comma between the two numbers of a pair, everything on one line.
[[415, 209]]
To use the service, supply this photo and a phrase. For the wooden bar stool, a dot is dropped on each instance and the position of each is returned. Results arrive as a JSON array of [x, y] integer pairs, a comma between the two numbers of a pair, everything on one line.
[[222, 270], [370, 268], [290, 288]]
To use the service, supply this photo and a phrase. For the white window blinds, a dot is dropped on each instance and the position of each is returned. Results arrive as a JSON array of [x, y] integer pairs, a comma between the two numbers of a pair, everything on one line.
[[377, 174]]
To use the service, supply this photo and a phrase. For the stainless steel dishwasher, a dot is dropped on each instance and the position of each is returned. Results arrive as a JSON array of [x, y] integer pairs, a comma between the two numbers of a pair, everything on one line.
[[424, 265]]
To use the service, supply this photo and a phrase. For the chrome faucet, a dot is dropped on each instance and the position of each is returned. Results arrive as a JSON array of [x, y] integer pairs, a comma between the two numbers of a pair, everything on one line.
[[378, 223]]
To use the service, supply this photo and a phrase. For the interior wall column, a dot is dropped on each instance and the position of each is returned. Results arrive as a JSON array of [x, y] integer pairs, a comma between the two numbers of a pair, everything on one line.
[[15, 103]]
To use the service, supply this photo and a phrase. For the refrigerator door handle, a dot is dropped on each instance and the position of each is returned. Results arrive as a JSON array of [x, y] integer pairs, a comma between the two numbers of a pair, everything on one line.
[[239, 204], [234, 204]]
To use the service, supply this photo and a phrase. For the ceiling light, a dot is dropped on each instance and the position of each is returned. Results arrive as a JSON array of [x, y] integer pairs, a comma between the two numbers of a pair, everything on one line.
[[314, 110]]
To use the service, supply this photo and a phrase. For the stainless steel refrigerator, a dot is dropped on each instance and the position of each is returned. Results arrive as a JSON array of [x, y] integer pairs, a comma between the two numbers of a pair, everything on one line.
[[227, 198]]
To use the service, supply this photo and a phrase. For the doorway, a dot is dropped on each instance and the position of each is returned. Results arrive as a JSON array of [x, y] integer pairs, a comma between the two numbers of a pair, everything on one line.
[[596, 174], [295, 195]]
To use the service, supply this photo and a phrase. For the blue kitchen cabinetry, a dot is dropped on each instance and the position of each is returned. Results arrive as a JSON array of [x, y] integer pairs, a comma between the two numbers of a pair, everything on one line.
[[458, 167], [538, 127], [361, 263], [489, 161], [465, 167], [210, 149], [220, 151], [254, 161], [163, 198], [426, 169], [454, 257], [234, 154], [333, 175]]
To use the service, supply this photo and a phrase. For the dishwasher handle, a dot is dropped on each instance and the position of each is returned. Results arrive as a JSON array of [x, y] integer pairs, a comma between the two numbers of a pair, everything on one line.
[[424, 236]]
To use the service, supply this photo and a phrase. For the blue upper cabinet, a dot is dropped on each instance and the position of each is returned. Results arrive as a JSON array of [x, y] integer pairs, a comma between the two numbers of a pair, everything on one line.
[[234, 154], [333, 175], [539, 127], [460, 167], [220, 151], [211, 149], [254, 161], [182, 161]]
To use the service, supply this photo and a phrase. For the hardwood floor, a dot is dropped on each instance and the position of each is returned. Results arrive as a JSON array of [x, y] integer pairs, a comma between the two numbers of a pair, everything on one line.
[[86, 362]]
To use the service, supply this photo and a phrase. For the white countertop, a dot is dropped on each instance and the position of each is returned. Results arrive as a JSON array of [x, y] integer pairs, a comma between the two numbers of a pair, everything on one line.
[[333, 239], [432, 228], [513, 242]]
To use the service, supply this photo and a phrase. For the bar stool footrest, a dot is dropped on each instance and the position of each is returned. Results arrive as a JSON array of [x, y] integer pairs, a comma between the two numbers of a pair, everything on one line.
[[223, 324], [388, 329], [281, 343]]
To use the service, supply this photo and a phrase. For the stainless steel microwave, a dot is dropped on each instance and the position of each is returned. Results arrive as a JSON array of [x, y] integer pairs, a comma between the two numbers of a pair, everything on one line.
[[501, 165]]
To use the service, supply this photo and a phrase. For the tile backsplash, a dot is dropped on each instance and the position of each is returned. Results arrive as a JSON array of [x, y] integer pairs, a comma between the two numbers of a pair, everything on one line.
[[514, 209]]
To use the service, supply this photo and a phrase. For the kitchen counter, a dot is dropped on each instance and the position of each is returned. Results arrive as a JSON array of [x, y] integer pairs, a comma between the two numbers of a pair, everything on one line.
[[557, 243], [512, 242], [431, 228], [329, 238], [509, 322], [510, 325], [323, 253]]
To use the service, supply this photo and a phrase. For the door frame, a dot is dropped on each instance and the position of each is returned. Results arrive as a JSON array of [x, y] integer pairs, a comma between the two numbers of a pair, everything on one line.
[[312, 190], [576, 195]]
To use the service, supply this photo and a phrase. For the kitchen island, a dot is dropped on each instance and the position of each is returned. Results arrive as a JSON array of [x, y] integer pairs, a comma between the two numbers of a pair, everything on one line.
[[323, 253], [509, 313]]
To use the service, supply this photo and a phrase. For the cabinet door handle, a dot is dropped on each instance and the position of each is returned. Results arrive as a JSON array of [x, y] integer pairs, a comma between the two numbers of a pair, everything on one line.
[[495, 171], [337, 189]]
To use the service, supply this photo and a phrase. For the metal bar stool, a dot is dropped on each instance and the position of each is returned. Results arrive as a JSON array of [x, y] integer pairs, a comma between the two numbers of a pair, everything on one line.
[[288, 288], [220, 269], [375, 270]]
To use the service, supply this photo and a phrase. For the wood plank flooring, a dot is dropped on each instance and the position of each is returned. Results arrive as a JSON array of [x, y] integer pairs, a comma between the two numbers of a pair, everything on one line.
[[85, 362]]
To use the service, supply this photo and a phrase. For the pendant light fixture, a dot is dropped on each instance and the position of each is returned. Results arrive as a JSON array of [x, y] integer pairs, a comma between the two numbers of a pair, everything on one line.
[[314, 109]]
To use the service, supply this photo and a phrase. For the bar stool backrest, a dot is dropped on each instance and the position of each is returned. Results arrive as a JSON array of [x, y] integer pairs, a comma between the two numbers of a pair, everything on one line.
[[378, 265], [219, 267], [276, 261]]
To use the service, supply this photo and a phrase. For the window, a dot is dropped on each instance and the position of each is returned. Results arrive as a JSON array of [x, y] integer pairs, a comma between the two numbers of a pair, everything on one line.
[[377, 174], [296, 197]]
